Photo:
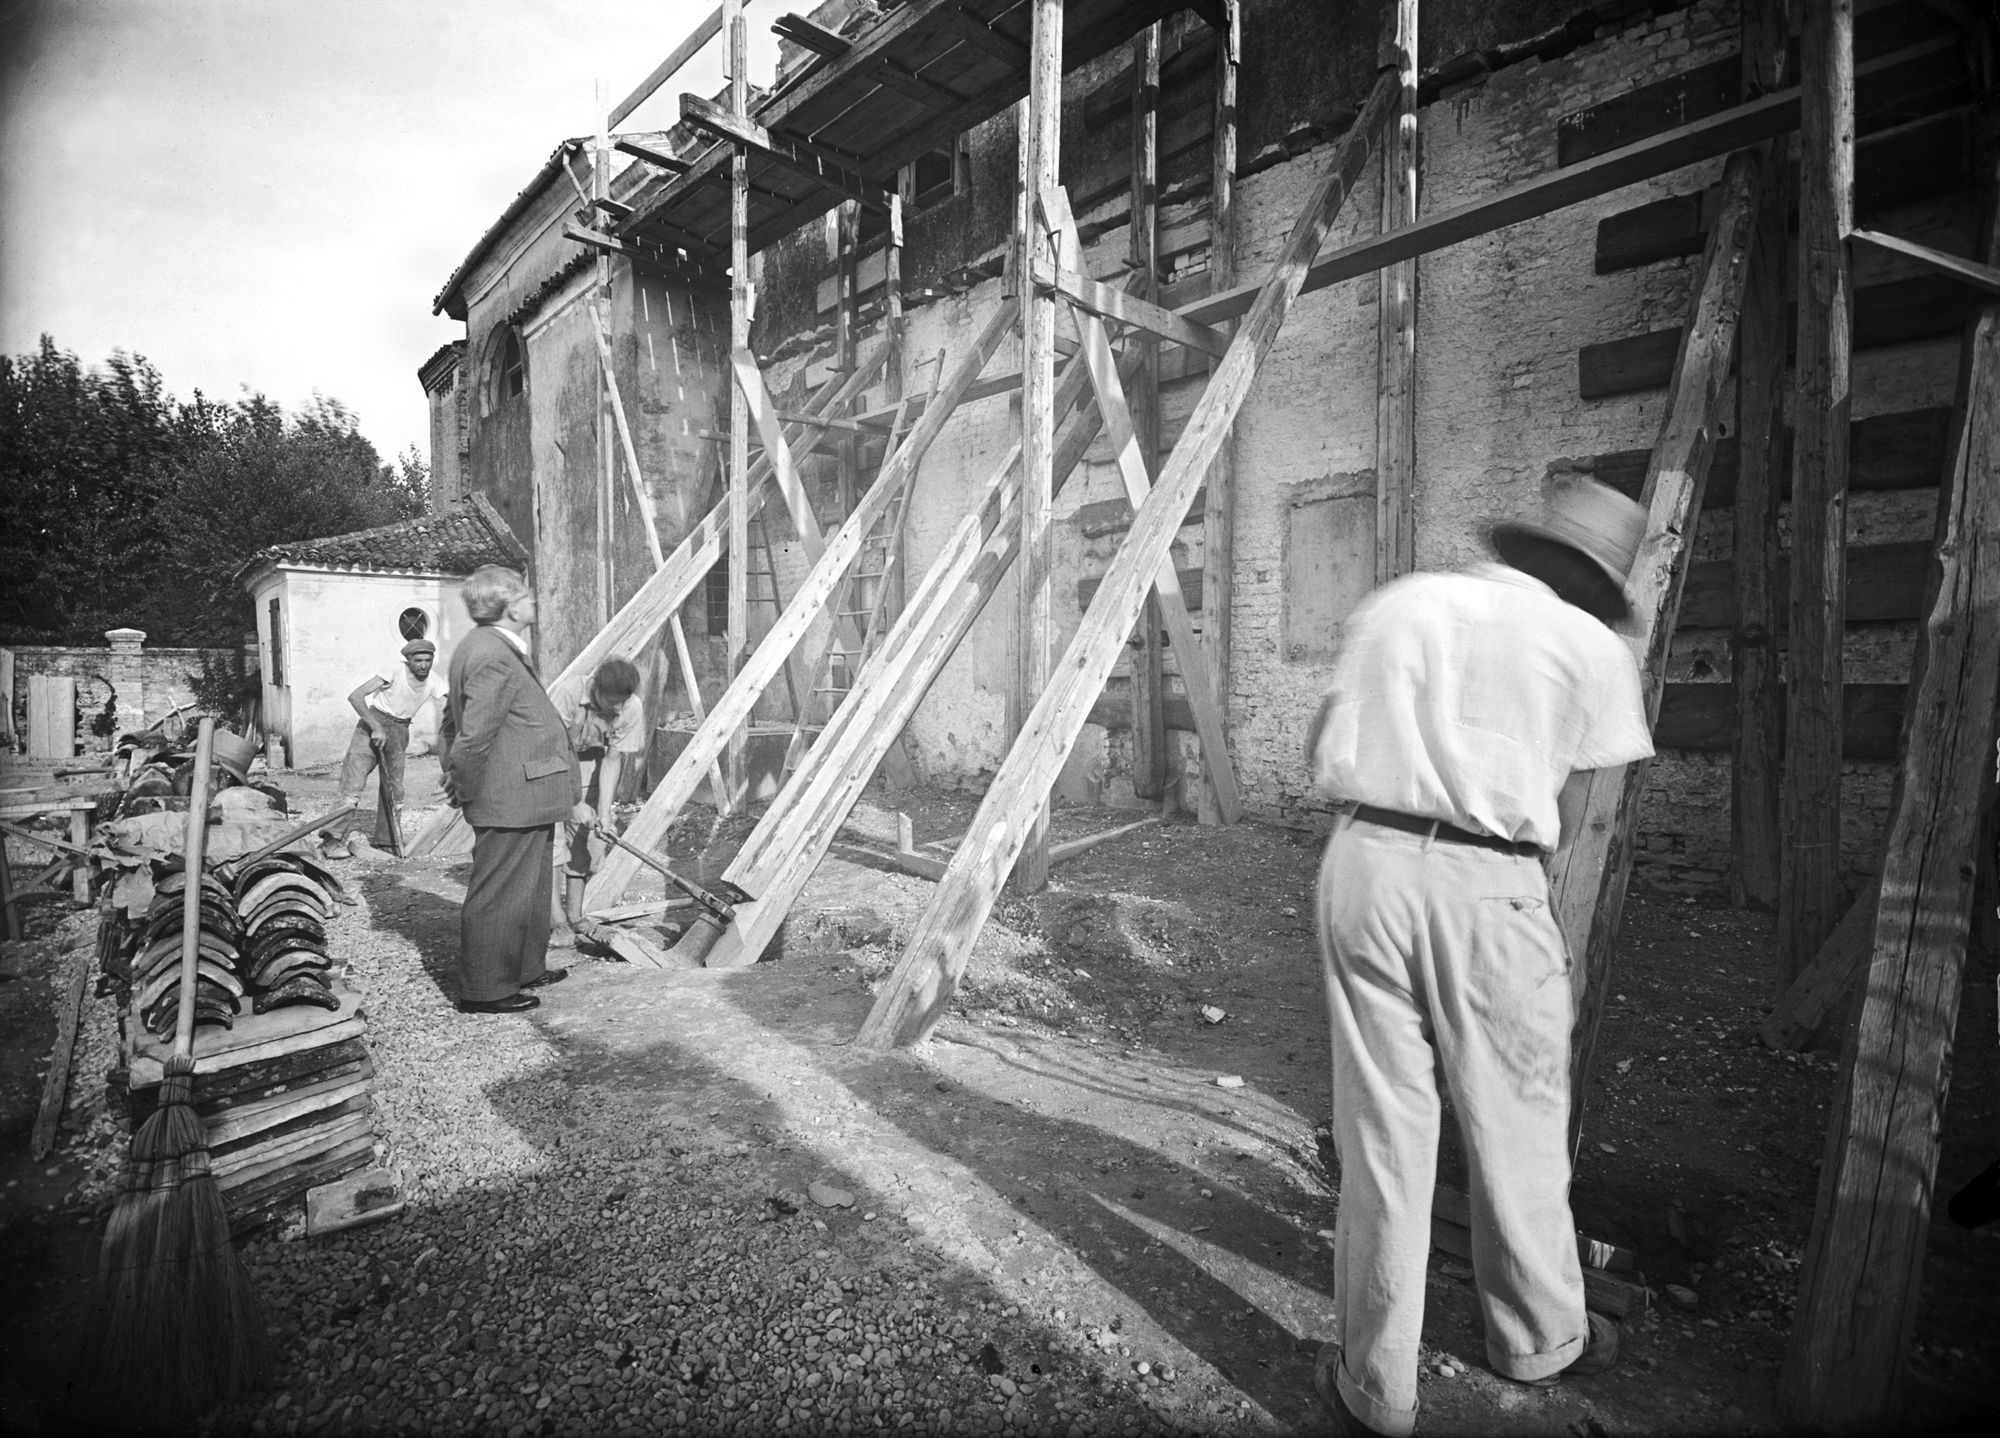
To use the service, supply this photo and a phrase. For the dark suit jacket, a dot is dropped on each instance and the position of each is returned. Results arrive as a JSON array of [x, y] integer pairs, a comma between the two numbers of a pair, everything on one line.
[[507, 752]]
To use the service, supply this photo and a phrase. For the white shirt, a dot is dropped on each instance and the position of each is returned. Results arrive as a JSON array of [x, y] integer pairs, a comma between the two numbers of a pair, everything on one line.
[[400, 697], [1472, 697], [625, 733]]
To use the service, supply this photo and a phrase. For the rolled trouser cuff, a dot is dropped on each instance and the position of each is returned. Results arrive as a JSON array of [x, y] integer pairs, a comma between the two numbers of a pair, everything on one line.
[[1528, 1367], [1371, 1410]]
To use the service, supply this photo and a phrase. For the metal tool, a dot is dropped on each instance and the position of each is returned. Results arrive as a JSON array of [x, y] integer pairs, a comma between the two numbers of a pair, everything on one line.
[[714, 907]]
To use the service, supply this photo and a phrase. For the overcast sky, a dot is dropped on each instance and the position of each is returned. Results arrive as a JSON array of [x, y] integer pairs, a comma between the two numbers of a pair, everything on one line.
[[270, 193]]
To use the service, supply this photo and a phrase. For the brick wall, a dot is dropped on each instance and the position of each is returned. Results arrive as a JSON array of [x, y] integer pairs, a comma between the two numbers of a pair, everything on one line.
[[161, 677]]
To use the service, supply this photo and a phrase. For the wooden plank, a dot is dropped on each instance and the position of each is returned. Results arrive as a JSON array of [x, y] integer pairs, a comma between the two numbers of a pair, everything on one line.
[[55, 1083], [733, 709], [1396, 325], [255, 1038], [1917, 161], [1885, 584], [784, 469], [666, 266], [1846, 1355], [1190, 581], [1150, 756], [1114, 516], [801, 157], [1982, 278], [1202, 697], [1588, 875], [1888, 451], [51, 716], [1795, 1020], [1040, 163], [1071, 848], [1000, 46], [1828, 322], [1706, 139], [1702, 718], [1895, 312], [1134, 313], [736, 475], [244, 1120], [878, 856], [258, 1161], [913, 999], [658, 159], [1218, 518], [697, 38]]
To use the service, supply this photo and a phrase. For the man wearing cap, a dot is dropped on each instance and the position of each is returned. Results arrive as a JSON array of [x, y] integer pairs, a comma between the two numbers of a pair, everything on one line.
[[1465, 716], [386, 702]]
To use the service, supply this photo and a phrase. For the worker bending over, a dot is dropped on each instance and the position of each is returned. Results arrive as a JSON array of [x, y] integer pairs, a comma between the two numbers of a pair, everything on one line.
[[1465, 716], [385, 704], [607, 726]]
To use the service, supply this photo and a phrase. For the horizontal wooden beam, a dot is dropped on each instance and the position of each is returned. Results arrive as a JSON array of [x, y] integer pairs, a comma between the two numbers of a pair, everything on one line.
[[1983, 278], [1190, 582], [666, 265], [658, 159], [1704, 139], [1886, 451], [706, 31], [616, 209], [1885, 584], [797, 156], [1114, 516], [977, 32], [1893, 313], [1144, 316], [808, 36]]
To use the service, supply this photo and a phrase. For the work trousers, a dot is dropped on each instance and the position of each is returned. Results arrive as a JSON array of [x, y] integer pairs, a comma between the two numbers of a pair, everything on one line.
[[360, 763], [1444, 960], [503, 930]]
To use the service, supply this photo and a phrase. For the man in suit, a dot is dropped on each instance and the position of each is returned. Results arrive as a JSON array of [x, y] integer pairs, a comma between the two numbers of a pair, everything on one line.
[[509, 766]]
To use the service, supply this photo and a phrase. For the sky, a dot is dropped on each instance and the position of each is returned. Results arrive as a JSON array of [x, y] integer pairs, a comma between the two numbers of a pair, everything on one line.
[[268, 194]]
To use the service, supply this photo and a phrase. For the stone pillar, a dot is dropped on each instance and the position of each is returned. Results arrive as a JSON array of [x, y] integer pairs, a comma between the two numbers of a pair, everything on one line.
[[127, 673]]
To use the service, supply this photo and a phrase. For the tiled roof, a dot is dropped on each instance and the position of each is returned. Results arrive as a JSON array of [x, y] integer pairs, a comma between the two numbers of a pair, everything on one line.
[[455, 542]]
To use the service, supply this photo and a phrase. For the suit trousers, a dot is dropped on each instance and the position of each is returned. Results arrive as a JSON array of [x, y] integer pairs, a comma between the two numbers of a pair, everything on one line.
[[503, 929], [1444, 962]]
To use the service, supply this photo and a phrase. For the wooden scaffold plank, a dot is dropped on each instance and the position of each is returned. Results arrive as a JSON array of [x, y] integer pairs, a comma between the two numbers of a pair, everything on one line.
[[1587, 882], [1850, 1339], [737, 472], [1149, 679], [914, 999], [1218, 517], [1396, 315]]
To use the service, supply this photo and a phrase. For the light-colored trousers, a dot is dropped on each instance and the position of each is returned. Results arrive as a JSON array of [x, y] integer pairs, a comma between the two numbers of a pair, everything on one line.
[[1444, 961]]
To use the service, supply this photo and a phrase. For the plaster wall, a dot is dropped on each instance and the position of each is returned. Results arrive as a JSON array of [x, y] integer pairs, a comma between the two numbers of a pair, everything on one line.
[[338, 627]]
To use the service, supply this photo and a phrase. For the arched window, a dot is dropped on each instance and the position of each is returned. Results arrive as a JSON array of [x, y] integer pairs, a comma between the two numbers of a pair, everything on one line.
[[513, 366], [506, 370]]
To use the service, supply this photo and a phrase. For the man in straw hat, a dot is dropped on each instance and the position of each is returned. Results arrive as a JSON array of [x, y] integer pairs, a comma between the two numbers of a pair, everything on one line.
[[385, 703], [1465, 715]]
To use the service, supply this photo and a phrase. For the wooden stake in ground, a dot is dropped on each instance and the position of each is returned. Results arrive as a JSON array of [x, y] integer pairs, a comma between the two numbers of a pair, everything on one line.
[[914, 999], [1809, 874]]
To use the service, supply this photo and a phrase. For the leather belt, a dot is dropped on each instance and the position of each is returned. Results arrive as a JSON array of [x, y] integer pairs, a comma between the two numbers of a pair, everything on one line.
[[1449, 833]]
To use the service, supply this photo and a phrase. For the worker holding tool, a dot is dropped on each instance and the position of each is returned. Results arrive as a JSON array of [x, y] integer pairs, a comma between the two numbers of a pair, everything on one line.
[[606, 727], [385, 703], [1466, 714]]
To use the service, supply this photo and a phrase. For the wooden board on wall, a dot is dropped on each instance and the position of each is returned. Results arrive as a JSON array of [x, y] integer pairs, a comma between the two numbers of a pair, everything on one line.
[[51, 716]]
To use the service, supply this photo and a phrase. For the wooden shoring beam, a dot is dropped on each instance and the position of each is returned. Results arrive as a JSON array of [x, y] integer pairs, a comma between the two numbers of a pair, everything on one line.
[[1173, 612], [736, 473], [1983, 278], [801, 157], [1722, 134], [916, 994], [733, 709], [1761, 370], [792, 836], [682, 654], [662, 595], [607, 463], [809, 36], [1218, 516], [1152, 322], [764, 414], [1587, 880], [978, 32], [1150, 745], [1396, 324], [697, 38], [658, 159], [1846, 1357], [1040, 150], [668, 267], [1822, 399]]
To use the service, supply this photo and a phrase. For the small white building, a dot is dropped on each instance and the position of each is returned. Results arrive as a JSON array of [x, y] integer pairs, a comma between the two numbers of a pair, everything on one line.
[[332, 611]]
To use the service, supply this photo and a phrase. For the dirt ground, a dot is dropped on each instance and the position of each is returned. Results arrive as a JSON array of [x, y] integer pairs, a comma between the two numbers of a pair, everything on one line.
[[1062, 1157]]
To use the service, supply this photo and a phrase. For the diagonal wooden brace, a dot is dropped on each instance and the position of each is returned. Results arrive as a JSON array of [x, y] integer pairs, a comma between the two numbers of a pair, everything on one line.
[[764, 414]]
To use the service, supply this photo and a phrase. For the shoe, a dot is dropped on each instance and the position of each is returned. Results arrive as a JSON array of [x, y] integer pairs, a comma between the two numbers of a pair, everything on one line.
[[549, 976], [1599, 1353], [512, 1004], [1344, 1422], [337, 849]]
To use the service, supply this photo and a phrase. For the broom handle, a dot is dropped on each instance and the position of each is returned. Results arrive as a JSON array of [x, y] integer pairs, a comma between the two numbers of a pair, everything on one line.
[[192, 846]]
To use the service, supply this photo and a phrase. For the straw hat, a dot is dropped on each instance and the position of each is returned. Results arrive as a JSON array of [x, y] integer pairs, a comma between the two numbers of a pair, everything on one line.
[[1582, 547], [234, 753]]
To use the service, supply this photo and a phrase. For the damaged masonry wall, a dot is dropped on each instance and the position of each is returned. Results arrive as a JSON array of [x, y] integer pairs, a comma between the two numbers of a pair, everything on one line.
[[1501, 321]]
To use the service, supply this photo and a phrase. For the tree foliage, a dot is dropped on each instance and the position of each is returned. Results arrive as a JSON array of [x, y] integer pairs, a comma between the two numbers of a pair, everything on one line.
[[120, 505]]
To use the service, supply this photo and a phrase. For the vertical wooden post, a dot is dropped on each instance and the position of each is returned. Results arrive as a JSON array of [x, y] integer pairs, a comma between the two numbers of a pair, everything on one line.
[[1396, 315], [1040, 139], [848, 226], [607, 460], [1859, 1286], [739, 403], [1149, 719], [1809, 874], [1218, 522], [892, 315], [1760, 403]]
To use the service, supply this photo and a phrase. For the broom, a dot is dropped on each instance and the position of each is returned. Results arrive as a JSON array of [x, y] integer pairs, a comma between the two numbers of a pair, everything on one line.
[[176, 1327]]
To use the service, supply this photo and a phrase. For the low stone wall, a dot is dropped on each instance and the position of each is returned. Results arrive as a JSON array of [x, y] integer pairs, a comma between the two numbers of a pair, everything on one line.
[[141, 685]]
